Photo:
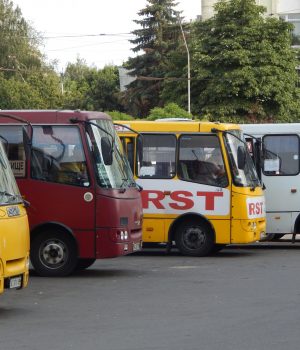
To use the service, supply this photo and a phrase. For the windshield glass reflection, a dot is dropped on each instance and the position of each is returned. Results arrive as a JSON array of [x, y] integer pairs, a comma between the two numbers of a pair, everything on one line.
[[9, 192], [117, 174]]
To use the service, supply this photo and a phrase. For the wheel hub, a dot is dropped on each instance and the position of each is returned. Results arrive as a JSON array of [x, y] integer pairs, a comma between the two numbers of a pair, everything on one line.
[[53, 253], [193, 238]]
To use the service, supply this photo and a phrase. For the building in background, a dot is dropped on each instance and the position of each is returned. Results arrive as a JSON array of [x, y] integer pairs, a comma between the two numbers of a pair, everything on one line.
[[289, 10]]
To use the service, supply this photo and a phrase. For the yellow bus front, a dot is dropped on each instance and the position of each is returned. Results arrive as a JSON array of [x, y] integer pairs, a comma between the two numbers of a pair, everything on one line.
[[14, 231], [14, 247], [248, 213]]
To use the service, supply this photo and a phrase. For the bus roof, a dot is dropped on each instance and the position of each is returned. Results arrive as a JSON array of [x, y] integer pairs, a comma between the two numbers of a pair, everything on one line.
[[174, 126], [277, 128], [51, 116]]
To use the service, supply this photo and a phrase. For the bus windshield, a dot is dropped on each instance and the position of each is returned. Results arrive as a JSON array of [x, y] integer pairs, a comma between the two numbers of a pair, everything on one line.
[[117, 174], [9, 192], [246, 177]]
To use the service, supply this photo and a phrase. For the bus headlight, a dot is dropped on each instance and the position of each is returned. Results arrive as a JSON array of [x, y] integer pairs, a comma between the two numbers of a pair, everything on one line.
[[119, 235], [27, 263]]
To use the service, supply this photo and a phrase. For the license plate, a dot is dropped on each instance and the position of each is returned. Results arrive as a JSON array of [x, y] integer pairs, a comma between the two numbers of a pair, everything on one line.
[[15, 282], [136, 247]]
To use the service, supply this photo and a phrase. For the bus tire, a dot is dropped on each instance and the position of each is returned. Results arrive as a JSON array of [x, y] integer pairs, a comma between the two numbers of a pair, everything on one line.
[[218, 247], [194, 238], [53, 253], [277, 236], [83, 264]]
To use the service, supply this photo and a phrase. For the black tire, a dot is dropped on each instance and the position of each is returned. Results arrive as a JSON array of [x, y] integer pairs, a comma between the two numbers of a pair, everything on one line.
[[217, 247], [53, 253], [194, 238], [83, 264], [277, 236]]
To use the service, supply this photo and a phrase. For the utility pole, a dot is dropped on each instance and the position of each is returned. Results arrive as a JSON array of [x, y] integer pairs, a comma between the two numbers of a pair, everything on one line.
[[189, 66]]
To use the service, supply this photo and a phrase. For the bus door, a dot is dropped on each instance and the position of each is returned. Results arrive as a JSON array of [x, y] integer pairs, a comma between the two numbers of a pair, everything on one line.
[[281, 176], [128, 145]]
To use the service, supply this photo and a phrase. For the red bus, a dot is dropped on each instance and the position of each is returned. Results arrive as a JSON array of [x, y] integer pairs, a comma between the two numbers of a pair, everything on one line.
[[84, 202]]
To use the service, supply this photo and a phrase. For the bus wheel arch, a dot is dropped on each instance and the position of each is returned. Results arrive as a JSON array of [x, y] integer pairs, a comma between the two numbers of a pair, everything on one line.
[[297, 225], [194, 235], [54, 250]]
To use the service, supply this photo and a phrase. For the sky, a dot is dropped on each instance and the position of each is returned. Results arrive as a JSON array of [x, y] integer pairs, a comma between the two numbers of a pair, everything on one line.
[[55, 20]]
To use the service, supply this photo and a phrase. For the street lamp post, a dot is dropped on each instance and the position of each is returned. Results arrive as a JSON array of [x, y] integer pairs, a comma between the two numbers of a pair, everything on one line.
[[189, 68]]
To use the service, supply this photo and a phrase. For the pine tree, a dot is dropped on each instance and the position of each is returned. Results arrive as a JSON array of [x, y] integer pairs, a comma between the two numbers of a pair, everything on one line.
[[157, 37]]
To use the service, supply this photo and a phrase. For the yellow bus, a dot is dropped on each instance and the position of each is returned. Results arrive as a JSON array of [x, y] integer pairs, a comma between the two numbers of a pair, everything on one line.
[[14, 231], [200, 188]]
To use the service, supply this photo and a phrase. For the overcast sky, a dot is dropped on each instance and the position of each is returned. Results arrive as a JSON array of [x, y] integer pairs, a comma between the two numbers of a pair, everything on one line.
[[54, 18]]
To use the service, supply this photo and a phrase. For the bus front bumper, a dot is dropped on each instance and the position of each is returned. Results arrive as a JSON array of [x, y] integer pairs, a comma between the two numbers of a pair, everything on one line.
[[113, 242], [248, 231]]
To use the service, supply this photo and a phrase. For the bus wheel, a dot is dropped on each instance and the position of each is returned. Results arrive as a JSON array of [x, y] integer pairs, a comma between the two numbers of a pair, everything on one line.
[[194, 238], [84, 263], [217, 247], [53, 253], [277, 236]]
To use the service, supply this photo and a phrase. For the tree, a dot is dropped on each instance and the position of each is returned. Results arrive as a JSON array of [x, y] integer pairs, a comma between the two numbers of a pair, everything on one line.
[[26, 81], [156, 38], [171, 110], [89, 88], [245, 66], [18, 43]]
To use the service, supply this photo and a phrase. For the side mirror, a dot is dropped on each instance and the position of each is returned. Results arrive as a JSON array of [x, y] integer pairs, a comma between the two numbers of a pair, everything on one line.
[[107, 150], [241, 157]]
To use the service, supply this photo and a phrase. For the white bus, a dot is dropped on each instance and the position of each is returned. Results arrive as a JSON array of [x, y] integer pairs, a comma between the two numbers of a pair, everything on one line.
[[276, 151]]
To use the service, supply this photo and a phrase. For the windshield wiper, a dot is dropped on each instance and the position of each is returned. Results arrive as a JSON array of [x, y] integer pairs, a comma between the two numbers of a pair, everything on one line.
[[122, 188], [7, 194]]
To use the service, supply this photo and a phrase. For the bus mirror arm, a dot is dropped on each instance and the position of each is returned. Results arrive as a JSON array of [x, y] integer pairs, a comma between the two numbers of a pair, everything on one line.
[[76, 120], [26, 203], [140, 188], [128, 128]]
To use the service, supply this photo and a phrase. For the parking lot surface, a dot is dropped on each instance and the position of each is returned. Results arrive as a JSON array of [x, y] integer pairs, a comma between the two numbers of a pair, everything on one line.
[[241, 298]]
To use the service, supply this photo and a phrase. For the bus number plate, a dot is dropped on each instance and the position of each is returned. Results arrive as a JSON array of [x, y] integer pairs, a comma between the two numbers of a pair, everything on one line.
[[15, 282], [136, 247]]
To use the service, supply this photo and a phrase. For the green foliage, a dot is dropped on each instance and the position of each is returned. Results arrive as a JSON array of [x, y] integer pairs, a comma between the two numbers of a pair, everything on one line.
[[40, 91], [244, 65], [171, 110], [157, 37], [116, 115], [88, 88], [18, 43], [26, 81]]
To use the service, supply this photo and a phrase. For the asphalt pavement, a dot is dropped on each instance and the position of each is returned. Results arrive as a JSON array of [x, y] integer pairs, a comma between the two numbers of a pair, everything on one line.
[[243, 298]]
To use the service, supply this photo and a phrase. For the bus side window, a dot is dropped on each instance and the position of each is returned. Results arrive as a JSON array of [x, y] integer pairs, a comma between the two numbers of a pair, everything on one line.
[[281, 155], [15, 149], [57, 156], [201, 161], [156, 156]]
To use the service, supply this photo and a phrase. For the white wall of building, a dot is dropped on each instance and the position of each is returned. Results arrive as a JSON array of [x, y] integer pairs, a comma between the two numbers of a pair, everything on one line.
[[288, 6], [289, 10], [273, 7]]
